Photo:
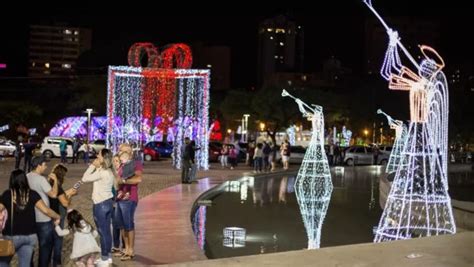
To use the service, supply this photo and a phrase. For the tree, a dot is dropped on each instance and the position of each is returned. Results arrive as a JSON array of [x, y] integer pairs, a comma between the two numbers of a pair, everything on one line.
[[277, 112], [89, 92], [235, 104]]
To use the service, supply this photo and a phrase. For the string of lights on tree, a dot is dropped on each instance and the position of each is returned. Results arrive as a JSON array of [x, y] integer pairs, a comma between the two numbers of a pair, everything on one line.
[[400, 136], [313, 184], [291, 132], [418, 203], [346, 137], [166, 97]]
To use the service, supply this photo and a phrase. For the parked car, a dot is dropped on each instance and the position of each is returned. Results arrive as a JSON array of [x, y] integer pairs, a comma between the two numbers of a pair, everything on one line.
[[50, 146], [296, 154], [214, 151], [150, 153], [359, 155], [165, 149], [94, 148], [7, 148]]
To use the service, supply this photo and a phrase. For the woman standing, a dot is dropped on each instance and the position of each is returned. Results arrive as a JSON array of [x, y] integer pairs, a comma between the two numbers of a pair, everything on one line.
[[101, 174], [60, 205], [20, 202]]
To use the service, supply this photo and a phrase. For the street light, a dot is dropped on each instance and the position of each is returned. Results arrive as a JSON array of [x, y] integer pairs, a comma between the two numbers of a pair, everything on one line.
[[89, 111], [245, 128], [366, 132]]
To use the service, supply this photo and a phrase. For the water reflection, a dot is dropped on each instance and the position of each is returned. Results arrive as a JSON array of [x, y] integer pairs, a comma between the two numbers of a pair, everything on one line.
[[267, 207], [273, 226], [199, 226]]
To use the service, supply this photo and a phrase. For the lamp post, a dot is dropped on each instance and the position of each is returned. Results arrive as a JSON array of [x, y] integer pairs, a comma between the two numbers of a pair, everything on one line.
[[89, 112], [245, 127]]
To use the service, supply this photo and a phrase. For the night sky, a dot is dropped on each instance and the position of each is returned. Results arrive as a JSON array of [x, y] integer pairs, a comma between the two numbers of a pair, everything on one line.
[[333, 28]]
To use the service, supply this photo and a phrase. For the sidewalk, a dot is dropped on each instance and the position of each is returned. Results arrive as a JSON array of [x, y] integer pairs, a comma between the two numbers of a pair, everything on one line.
[[154, 214]]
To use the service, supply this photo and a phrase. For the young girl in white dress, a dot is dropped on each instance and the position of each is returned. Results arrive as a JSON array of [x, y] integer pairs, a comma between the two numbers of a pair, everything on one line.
[[84, 247]]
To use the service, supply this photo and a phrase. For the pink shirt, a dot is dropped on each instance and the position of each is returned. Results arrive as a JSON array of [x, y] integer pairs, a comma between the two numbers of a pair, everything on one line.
[[132, 188]]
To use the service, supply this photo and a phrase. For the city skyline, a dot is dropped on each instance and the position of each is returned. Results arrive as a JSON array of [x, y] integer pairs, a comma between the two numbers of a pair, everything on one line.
[[329, 31]]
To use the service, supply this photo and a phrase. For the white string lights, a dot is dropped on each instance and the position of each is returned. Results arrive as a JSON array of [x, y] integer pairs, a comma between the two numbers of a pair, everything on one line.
[[313, 184], [291, 132], [400, 135], [161, 96], [418, 203]]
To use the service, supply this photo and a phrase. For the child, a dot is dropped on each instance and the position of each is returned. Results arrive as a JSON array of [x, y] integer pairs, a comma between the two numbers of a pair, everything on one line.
[[127, 170], [84, 246]]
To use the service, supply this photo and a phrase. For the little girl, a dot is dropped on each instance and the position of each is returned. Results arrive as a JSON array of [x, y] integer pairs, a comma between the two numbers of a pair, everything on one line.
[[84, 246]]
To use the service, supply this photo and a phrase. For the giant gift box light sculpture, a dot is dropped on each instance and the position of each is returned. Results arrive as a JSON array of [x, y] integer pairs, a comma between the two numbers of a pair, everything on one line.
[[177, 97], [313, 183], [418, 203], [400, 136]]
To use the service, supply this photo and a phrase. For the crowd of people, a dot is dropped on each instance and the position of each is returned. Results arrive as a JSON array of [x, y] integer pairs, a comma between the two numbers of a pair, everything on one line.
[[35, 211]]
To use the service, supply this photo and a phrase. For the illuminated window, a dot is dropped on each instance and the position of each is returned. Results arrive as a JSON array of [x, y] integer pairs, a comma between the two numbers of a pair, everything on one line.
[[304, 78], [209, 66], [76, 32], [269, 30], [66, 66], [271, 37], [280, 30], [67, 31], [46, 65], [282, 44]]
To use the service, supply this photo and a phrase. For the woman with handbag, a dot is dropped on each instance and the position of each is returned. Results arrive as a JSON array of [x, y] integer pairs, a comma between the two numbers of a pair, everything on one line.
[[20, 227]]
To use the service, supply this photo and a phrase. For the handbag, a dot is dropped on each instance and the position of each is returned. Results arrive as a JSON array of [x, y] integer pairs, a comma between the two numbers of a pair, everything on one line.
[[7, 248]]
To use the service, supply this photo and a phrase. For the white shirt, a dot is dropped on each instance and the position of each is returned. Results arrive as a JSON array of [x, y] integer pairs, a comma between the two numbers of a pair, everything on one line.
[[103, 183]]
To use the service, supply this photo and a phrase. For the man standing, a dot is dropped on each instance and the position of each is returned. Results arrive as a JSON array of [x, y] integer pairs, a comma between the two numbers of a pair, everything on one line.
[[44, 225], [63, 150], [29, 147], [18, 152], [75, 149], [186, 160]]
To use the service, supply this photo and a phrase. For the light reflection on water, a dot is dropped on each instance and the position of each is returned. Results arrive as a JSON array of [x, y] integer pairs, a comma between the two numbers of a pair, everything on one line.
[[267, 208]]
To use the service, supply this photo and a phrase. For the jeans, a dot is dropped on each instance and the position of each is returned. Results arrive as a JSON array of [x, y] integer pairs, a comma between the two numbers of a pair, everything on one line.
[[125, 214], [258, 164], [266, 163], [102, 217], [185, 168], [27, 165], [74, 157], [58, 240], [17, 161], [45, 231], [63, 156], [115, 227], [24, 247], [86, 157]]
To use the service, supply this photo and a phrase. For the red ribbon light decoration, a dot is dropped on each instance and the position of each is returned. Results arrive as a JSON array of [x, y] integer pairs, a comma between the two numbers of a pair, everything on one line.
[[159, 86]]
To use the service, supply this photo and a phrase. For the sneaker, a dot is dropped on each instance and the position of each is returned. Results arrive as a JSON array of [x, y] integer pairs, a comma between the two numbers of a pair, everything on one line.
[[100, 261]]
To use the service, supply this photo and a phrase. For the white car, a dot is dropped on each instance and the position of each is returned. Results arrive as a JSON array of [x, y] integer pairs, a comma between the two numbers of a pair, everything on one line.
[[50, 146], [356, 155], [94, 148], [296, 154], [7, 148]]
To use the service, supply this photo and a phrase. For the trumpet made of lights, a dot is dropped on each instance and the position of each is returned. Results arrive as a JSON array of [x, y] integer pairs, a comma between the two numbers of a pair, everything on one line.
[[313, 184], [394, 160], [418, 203], [177, 98]]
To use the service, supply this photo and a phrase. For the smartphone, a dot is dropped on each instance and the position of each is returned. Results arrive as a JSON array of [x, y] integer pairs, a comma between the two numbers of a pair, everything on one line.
[[77, 185]]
